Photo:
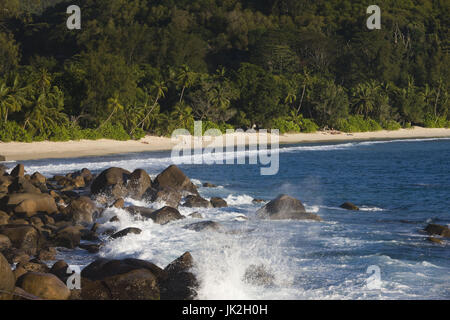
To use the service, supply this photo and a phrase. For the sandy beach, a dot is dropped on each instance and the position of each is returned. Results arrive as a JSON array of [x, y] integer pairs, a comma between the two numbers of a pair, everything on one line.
[[41, 150]]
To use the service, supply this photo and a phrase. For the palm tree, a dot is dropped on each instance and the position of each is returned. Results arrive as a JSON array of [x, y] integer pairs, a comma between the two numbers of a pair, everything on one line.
[[364, 97], [185, 79], [115, 106], [160, 89], [12, 98], [306, 83], [45, 109]]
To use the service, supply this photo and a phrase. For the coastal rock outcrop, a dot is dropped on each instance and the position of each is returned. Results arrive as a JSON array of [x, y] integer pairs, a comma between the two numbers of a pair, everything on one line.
[[218, 202], [286, 207], [258, 275], [138, 183], [168, 195], [165, 215], [437, 229], [204, 225], [174, 178], [349, 206], [129, 279], [193, 201], [81, 210], [125, 232], [111, 182], [180, 283]]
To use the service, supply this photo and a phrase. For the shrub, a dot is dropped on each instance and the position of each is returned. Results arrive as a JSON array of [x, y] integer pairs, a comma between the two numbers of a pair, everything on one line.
[[432, 121], [392, 125], [358, 124], [285, 125], [11, 131]]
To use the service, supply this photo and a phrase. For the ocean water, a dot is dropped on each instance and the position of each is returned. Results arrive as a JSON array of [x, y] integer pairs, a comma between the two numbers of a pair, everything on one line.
[[400, 186]]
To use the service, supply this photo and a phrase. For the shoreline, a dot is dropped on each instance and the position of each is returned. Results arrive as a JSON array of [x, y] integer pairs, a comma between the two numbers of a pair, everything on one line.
[[19, 151]]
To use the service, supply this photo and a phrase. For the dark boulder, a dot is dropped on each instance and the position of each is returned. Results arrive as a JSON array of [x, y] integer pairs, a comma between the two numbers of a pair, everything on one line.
[[181, 283], [165, 215], [138, 183], [218, 202], [197, 202], [204, 225], [129, 279], [168, 195], [349, 206], [7, 279], [143, 211], [286, 207], [125, 232], [437, 229], [174, 178], [209, 185], [111, 182]]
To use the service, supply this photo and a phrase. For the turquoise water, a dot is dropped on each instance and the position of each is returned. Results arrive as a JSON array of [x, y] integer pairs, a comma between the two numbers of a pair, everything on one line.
[[399, 185]]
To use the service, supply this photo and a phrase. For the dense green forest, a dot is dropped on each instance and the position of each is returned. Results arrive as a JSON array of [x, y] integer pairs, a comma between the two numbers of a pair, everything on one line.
[[140, 66]]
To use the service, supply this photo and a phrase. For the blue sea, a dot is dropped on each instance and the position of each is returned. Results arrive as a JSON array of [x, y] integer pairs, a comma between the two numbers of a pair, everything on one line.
[[379, 252]]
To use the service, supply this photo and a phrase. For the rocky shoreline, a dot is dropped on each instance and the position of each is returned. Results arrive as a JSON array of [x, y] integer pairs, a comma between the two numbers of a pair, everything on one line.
[[40, 215]]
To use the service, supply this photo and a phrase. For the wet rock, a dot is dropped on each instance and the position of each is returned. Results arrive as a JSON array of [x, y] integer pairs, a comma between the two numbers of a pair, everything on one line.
[[143, 211], [209, 185], [439, 230], [218, 202], [119, 203], [169, 196], [129, 279], [7, 279], [165, 215], [204, 225], [197, 202], [258, 275], [114, 219], [174, 178], [82, 210], [24, 237], [91, 248], [61, 270], [111, 182], [286, 207], [138, 183], [16, 255], [125, 232], [196, 215], [180, 284], [349, 206], [44, 285], [435, 240]]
